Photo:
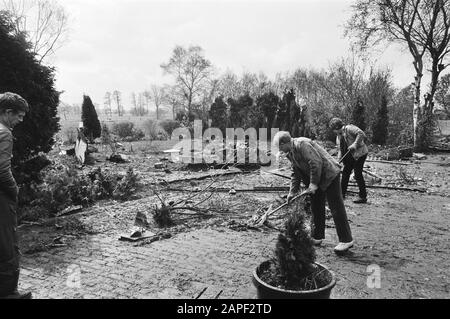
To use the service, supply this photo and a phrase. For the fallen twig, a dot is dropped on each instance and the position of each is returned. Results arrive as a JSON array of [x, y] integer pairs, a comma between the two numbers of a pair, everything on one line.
[[388, 162], [372, 174], [226, 190], [393, 188]]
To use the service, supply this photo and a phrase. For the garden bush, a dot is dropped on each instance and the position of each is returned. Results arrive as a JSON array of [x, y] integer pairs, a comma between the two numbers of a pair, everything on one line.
[[127, 132], [169, 126], [64, 186]]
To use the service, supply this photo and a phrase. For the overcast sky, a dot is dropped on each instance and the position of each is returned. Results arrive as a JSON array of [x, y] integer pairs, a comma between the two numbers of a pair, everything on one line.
[[120, 44]]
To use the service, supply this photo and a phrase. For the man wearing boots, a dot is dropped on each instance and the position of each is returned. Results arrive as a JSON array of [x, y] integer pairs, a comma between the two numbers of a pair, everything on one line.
[[351, 142], [321, 173], [12, 110]]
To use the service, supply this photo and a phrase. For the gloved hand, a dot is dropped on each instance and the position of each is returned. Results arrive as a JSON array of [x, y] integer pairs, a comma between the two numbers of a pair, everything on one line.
[[352, 148], [312, 188], [289, 198]]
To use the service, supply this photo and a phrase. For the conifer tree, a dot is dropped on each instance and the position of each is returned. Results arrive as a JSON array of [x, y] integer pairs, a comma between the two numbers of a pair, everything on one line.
[[92, 128], [380, 126], [358, 115], [22, 74]]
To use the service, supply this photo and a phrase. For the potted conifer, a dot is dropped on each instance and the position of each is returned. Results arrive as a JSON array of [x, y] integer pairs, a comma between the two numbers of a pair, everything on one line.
[[293, 273]]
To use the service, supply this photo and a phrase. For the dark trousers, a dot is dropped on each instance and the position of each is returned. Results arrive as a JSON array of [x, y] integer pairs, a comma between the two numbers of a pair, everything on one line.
[[9, 249], [334, 197], [357, 166]]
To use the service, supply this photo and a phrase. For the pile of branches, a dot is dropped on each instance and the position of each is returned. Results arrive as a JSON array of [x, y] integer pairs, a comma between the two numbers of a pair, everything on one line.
[[65, 186], [163, 214]]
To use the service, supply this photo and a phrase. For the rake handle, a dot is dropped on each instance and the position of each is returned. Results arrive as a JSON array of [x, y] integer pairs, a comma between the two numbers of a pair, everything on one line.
[[287, 203], [345, 155]]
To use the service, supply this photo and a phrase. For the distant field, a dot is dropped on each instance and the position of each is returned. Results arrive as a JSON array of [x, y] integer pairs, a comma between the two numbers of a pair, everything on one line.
[[71, 122]]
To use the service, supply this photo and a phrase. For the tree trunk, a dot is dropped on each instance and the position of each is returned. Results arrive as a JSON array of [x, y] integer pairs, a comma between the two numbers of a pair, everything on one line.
[[424, 120], [418, 111], [189, 104]]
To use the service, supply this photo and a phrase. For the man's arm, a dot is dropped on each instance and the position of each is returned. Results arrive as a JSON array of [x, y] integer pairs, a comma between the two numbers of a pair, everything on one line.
[[7, 183], [312, 157], [359, 135], [295, 181], [338, 144]]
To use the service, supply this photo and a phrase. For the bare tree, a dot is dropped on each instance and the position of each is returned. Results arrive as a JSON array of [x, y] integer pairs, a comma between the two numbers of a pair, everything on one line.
[[208, 94], [64, 109], [191, 71], [107, 103], [148, 97], [45, 22], [157, 94], [141, 102], [421, 25], [229, 85], [340, 85], [174, 97], [134, 103], [117, 96]]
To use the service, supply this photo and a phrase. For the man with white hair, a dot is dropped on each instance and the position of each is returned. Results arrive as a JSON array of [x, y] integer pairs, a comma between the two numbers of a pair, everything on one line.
[[321, 174]]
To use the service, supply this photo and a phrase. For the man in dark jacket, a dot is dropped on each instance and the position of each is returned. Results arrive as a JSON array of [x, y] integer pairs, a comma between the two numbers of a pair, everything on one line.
[[351, 139], [12, 110], [321, 174]]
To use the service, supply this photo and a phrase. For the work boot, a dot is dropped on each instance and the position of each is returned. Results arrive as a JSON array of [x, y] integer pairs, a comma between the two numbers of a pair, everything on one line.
[[343, 247], [360, 200]]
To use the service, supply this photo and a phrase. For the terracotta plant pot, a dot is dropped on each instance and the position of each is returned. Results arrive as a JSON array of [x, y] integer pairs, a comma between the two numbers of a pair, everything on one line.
[[265, 291]]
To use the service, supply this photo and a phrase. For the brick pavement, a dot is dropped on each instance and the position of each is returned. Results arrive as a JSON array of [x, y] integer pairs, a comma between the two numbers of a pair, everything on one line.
[[98, 266], [406, 234]]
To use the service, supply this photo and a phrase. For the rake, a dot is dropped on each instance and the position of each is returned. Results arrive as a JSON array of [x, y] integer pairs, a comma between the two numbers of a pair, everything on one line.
[[345, 155], [262, 219]]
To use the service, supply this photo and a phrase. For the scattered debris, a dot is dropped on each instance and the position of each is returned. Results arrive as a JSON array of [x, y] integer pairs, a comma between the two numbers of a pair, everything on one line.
[[405, 177], [375, 179], [419, 156], [118, 158], [388, 162], [154, 238], [395, 153], [198, 178], [141, 220], [136, 234], [256, 189], [420, 190], [159, 165], [91, 149], [162, 216], [237, 226], [446, 162], [70, 211], [258, 220], [405, 152], [57, 242]]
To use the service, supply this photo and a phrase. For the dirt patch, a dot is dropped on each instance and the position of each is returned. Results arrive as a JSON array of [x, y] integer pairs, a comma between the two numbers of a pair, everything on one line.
[[403, 233]]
